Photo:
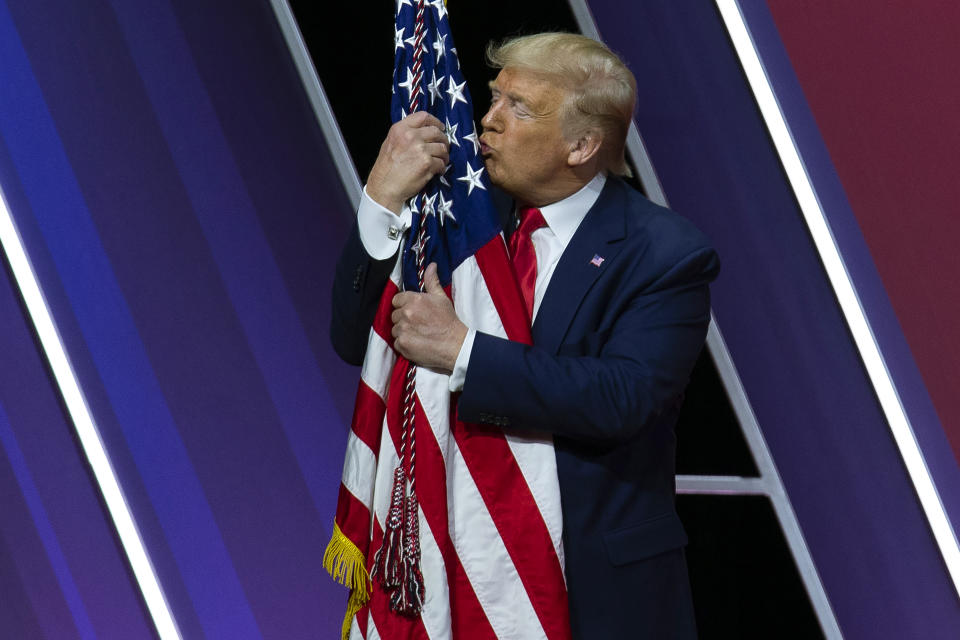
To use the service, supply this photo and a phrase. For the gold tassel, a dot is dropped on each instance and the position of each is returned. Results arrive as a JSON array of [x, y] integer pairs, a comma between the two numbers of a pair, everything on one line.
[[348, 566], [354, 603]]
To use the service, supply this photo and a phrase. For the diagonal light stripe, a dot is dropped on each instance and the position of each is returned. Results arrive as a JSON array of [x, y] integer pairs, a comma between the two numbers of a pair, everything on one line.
[[769, 483], [85, 426], [843, 287], [723, 485], [318, 100]]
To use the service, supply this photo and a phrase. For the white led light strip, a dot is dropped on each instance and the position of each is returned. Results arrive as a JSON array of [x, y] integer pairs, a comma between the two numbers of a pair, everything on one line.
[[85, 427], [843, 287]]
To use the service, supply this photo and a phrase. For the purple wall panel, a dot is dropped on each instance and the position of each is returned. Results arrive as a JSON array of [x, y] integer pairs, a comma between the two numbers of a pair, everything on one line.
[[178, 202], [856, 505], [64, 574], [17, 616], [32, 596]]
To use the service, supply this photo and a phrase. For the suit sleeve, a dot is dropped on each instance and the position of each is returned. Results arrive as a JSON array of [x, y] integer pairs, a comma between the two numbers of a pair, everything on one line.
[[358, 284], [612, 384]]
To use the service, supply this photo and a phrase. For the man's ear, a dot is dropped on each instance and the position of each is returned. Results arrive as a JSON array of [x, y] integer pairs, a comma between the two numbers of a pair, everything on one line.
[[585, 149]]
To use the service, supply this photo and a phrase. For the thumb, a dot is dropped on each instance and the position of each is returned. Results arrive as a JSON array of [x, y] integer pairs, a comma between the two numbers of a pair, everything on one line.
[[431, 281]]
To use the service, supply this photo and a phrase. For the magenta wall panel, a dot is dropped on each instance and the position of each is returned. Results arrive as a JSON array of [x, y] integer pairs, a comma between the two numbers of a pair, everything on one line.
[[880, 79]]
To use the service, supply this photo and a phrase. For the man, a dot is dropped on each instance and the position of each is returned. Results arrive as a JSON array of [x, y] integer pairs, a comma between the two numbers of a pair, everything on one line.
[[620, 308]]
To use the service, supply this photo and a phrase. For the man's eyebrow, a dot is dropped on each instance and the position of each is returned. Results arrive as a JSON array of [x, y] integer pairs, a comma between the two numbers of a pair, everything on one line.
[[493, 87]]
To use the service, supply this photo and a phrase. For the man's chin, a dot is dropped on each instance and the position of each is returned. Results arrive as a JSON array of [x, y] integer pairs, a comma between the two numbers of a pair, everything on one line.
[[499, 180], [493, 174]]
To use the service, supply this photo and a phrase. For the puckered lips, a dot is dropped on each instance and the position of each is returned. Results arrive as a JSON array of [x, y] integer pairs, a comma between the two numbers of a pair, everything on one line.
[[485, 147]]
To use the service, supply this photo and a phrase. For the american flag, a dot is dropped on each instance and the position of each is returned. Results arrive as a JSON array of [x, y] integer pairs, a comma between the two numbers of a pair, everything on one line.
[[490, 526]]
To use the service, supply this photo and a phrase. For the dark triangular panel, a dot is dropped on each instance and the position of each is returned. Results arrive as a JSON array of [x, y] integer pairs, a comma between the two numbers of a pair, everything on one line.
[[709, 438], [744, 579]]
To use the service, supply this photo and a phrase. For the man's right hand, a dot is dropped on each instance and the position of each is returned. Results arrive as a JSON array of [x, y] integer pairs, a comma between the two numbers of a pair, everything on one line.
[[415, 150]]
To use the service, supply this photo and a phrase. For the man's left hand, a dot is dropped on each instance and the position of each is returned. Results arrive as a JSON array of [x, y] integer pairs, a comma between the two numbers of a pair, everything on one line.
[[426, 329]]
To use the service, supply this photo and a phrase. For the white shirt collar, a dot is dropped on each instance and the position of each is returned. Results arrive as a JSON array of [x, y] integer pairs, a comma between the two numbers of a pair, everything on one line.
[[563, 217]]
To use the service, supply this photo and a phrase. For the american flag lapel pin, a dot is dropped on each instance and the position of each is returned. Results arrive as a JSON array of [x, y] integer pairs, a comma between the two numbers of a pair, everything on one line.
[[596, 261]]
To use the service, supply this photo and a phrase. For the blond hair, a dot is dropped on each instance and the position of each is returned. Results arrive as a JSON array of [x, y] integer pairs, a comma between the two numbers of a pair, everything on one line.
[[601, 90]]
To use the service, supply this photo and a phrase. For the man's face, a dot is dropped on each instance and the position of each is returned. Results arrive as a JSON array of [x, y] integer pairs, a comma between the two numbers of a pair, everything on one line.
[[522, 143]]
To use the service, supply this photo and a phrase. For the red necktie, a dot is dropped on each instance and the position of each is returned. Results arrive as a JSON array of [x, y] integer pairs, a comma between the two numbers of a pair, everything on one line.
[[523, 256]]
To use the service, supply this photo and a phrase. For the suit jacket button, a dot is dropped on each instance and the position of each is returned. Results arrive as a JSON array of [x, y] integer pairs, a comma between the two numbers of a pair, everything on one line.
[[357, 277]]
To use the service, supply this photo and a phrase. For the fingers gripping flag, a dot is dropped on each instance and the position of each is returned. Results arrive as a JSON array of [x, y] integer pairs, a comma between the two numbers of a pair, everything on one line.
[[445, 529]]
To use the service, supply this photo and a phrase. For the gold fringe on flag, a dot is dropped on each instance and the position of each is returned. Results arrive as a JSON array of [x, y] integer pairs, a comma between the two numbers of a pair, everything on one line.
[[347, 565]]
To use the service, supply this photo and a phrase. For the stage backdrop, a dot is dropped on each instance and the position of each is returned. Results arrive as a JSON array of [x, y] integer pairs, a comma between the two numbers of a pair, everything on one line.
[[181, 209], [178, 202]]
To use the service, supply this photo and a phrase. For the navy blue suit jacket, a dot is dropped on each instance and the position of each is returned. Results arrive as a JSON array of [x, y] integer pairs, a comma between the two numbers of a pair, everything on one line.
[[613, 347]]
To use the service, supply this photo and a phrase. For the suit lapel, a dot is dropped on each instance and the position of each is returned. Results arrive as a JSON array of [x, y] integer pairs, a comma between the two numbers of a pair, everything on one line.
[[599, 235]]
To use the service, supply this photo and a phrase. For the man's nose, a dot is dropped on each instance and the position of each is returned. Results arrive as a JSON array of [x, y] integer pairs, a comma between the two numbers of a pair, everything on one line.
[[490, 119]]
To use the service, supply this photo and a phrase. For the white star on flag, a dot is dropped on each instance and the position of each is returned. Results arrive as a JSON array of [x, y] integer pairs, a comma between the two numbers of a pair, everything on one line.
[[455, 91], [452, 133], [445, 209], [438, 46], [398, 39], [408, 85], [420, 245], [441, 8], [473, 138], [472, 179], [428, 209], [434, 88]]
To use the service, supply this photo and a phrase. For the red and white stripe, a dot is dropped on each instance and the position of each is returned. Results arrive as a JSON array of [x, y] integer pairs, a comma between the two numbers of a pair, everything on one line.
[[490, 521]]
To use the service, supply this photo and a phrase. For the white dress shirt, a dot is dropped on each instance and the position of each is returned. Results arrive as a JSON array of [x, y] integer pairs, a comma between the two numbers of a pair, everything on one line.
[[381, 232]]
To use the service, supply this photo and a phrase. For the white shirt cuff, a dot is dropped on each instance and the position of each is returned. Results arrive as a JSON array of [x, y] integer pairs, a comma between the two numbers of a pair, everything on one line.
[[381, 230], [459, 374]]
